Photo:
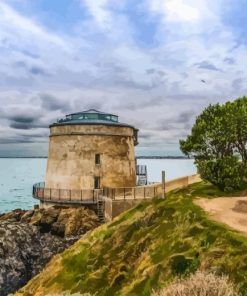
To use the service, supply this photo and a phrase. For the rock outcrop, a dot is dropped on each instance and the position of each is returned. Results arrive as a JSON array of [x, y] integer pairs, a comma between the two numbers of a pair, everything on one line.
[[28, 240]]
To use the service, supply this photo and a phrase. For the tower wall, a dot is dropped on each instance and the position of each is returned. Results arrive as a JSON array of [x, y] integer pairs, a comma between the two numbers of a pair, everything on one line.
[[72, 149]]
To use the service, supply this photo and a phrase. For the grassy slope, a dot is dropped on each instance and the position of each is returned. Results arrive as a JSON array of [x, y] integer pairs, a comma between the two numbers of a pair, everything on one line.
[[145, 248]]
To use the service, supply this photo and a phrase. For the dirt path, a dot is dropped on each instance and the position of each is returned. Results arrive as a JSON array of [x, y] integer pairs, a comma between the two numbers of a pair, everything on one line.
[[229, 210]]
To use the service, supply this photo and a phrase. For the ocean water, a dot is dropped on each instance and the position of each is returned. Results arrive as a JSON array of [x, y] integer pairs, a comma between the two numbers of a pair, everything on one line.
[[17, 176]]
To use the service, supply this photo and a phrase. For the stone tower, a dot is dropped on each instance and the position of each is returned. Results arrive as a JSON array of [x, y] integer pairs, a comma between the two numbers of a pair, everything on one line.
[[91, 150]]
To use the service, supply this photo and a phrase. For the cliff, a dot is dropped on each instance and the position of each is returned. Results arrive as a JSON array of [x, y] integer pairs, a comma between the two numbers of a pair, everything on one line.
[[145, 249], [29, 239]]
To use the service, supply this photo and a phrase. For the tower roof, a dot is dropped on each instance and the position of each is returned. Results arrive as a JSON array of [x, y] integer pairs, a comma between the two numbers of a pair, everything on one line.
[[90, 117], [91, 111]]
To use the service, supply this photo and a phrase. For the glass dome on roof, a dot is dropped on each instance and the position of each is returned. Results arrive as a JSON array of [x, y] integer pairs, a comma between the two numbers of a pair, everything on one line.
[[90, 115]]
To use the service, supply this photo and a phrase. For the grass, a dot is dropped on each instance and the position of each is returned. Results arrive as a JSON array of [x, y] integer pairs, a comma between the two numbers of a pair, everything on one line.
[[146, 248]]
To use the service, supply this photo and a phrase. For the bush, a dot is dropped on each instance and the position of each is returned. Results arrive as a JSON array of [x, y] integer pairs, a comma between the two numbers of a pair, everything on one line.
[[227, 173], [200, 284], [182, 265]]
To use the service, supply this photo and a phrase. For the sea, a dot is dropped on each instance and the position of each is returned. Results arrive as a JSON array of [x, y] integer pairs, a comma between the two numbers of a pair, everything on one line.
[[17, 175]]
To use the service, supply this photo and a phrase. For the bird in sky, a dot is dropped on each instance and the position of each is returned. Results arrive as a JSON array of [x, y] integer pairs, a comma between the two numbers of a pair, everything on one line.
[[203, 81]]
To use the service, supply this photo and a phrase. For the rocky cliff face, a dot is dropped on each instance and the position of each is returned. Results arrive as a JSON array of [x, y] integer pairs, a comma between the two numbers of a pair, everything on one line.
[[28, 240]]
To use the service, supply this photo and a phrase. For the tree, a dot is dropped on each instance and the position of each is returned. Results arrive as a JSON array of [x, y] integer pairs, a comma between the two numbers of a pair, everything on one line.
[[239, 115], [217, 138]]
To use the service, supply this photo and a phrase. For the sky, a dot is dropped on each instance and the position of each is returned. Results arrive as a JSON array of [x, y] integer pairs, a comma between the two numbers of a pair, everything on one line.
[[143, 60]]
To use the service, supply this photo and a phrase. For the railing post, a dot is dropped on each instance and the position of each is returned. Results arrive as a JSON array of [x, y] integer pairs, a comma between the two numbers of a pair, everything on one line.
[[114, 193], [163, 184], [144, 193], [154, 191], [81, 194], [93, 195], [50, 193], [124, 192], [134, 193], [70, 195], [59, 193]]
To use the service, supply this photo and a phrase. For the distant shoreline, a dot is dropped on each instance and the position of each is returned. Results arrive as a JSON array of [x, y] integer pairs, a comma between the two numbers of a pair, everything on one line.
[[137, 157], [161, 157]]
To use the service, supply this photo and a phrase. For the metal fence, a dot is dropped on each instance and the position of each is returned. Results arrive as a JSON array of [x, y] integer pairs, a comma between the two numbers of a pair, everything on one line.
[[66, 195], [138, 192], [92, 195], [119, 193]]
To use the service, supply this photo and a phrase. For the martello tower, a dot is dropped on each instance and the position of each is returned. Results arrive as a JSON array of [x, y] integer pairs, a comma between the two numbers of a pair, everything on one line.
[[91, 150]]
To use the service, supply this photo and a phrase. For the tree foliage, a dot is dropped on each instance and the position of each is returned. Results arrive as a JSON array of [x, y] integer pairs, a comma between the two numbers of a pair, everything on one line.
[[226, 173], [217, 138]]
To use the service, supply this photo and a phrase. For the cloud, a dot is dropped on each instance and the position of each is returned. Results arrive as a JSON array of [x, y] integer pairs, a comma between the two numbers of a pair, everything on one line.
[[207, 65], [50, 102], [229, 60], [181, 11], [237, 83], [141, 60], [10, 19], [37, 71], [98, 9]]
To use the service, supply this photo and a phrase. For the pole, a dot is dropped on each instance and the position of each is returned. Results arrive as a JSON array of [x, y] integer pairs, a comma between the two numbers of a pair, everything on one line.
[[163, 184]]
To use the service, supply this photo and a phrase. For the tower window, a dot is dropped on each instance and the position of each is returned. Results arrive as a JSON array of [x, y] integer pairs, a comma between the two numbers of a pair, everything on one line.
[[96, 182], [97, 158]]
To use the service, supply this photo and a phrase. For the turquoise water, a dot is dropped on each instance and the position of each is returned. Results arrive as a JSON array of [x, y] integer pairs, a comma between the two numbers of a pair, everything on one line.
[[17, 177]]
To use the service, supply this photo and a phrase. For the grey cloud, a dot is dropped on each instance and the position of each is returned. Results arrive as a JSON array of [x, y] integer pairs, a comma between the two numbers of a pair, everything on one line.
[[161, 73], [37, 71], [41, 134], [229, 61], [20, 64], [22, 118], [27, 125], [185, 117], [145, 135], [126, 81], [90, 105], [141, 104], [155, 71], [237, 83], [34, 70], [26, 119], [150, 71], [17, 139], [184, 75], [181, 122], [52, 103], [30, 54], [207, 65]]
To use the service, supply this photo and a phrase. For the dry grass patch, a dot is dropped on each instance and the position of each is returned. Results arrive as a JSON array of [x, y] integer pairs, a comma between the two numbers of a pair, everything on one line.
[[200, 284]]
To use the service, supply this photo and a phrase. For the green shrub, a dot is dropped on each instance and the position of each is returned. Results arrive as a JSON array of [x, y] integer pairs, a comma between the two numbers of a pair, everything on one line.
[[227, 174], [182, 265]]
